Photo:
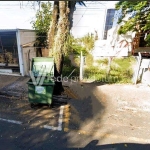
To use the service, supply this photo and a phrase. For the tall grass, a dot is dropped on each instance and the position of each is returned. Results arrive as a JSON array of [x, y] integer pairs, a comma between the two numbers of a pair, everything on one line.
[[120, 72], [68, 68]]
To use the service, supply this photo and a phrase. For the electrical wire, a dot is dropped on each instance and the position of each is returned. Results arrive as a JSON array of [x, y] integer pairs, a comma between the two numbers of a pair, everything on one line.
[[80, 18]]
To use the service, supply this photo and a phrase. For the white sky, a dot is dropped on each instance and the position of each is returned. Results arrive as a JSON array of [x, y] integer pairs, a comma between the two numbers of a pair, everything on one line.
[[12, 16]]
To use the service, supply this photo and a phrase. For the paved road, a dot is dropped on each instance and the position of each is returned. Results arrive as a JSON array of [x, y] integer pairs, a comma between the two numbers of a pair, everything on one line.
[[16, 137], [31, 134], [22, 137], [103, 117]]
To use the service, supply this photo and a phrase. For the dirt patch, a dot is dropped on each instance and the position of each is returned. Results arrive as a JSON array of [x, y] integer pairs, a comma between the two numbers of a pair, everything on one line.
[[6, 80]]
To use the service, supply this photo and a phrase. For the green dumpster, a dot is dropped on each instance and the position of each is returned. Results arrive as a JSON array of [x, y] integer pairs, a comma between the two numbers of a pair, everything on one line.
[[41, 83]]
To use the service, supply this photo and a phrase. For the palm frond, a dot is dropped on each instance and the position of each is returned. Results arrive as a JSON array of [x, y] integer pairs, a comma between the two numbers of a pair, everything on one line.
[[81, 3]]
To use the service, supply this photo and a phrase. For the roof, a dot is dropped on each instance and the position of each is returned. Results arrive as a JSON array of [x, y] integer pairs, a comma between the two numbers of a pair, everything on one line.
[[15, 30]]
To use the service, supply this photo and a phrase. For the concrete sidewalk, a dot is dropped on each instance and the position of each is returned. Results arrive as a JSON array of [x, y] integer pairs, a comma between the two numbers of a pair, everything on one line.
[[13, 85], [114, 113]]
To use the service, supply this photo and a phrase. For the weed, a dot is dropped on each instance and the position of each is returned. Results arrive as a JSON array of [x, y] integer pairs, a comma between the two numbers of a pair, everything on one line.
[[102, 61], [120, 72]]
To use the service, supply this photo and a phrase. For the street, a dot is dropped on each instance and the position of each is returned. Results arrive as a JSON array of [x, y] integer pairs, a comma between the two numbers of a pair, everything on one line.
[[22, 137], [107, 117]]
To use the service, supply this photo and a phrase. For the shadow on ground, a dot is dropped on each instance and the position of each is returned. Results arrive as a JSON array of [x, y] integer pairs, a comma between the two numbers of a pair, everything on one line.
[[38, 139], [119, 146], [13, 85], [85, 115], [86, 108]]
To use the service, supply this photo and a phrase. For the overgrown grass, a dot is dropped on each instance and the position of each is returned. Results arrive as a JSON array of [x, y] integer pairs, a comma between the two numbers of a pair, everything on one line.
[[68, 68], [103, 61], [89, 60], [121, 71], [75, 46]]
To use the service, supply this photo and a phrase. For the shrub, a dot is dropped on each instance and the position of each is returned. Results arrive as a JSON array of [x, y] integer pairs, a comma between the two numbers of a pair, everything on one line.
[[89, 60], [77, 61], [103, 61], [68, 68]]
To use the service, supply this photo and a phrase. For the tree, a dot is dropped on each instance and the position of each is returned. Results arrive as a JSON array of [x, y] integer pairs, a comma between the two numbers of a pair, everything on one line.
[[52, 29], [57, 37], [139, 19], [41, 26], [58, 34]]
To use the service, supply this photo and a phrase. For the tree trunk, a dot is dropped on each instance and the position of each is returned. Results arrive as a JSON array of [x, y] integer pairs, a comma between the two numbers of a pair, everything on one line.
[[57, 37], [53, 27], [109, 65], [61, 35], [39, 52]]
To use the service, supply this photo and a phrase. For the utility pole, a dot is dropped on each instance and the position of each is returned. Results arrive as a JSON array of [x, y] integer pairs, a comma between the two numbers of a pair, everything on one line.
[[81, 66]]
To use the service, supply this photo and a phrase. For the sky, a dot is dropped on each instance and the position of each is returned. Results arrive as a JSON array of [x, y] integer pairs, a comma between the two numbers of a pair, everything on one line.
[[19, 14], [16, 14]]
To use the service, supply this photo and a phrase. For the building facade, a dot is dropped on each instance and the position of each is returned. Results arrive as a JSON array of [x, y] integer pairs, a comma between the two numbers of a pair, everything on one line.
[[16, 51], [96, 17]]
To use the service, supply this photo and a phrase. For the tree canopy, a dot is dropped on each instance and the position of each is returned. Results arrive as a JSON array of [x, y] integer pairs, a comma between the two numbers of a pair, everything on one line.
[[42, 23], [139, 17]]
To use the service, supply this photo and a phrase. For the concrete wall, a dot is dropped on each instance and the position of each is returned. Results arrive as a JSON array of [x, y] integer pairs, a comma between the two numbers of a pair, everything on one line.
[[28, 54], [103, 48], [27, 36]]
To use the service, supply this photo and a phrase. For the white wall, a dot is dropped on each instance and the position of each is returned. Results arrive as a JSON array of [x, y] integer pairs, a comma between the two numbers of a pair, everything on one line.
[[90, 18], [27, 36]]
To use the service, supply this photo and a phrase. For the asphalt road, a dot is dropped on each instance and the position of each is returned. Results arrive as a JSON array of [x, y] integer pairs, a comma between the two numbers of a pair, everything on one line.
[[21, 137], [108, 117], [17, 137], [31, 134]]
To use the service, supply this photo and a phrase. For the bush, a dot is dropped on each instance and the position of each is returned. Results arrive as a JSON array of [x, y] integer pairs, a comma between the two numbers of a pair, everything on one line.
[[77, 61], [67, 71], [89, 60], [148, 40], [68, 68], [103, 61], [67, 61]]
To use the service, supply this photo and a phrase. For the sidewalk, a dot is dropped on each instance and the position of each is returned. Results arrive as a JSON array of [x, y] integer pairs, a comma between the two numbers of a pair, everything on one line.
[[114, 113], [13, 85]]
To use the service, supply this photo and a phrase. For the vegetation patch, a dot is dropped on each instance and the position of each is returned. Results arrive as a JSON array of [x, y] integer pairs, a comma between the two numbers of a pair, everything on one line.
[[120, 72], [68, 68]]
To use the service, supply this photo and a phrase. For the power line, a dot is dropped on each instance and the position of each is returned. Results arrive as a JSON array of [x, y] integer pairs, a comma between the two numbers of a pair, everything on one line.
[[81, 18]]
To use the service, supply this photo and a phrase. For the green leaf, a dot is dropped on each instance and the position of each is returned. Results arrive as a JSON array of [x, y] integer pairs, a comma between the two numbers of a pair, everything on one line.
[[42, 23]]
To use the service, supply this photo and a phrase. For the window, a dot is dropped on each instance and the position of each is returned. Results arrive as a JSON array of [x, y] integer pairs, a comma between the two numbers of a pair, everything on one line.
[[8, 47], [109, 21]]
